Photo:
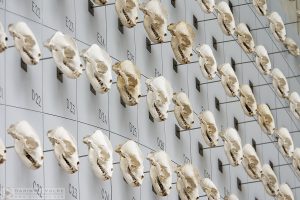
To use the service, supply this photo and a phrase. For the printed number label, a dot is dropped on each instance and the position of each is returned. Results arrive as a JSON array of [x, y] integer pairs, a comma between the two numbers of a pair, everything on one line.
[[160, 143], [100, 39], [132, 129], [130, 56], [69, 24], [156, 73], [73, 191], [206, 174], [104, 194], [36, 98], [71, 107], [102, 116], [37, 188], [186, 159], [36, 9]]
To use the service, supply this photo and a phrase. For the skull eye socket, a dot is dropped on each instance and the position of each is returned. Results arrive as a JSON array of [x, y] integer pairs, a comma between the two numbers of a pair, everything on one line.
[[77, 162], [6, 38], [165, 34], [5, 151], [142, 176], [42, 157], [110, 81], [39, 55], [136, 17], [191, 54]]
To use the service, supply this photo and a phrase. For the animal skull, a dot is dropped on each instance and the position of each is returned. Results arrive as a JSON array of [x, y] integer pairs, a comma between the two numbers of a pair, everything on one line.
[[262, 60], [207, 6], [229, 80], [128, 82], [159, 97], [131, 163], [261, 6], [225, 18], [207, 61], [155, 20], [251, 162], [269, 180], [183, 110], [232, 146], [161, 170], [25, 42], [65, 149], [100, 154], [100, 2], [27, 144], [265, 119], [2, 152], [65, 54], [292, 46], [210, 189], [285, 142], [248, 101], [294, 99], [231, 197], [183, 36], [98, 66], [285, 193], [127, 11], [280, 83], [3, 39], [188, 182], [277, 26], [296, 161], [245, 38], [209, 128]]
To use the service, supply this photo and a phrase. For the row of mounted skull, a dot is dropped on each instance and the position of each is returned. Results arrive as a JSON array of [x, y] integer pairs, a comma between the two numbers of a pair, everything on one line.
[[227, 24], [100, 153]]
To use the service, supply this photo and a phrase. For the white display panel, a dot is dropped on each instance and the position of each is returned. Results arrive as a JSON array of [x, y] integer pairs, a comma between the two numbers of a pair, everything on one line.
[[71, 103]]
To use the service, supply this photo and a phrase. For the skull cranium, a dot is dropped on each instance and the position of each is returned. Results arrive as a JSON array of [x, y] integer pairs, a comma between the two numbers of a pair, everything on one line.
[[207, 61], [292, 46], [159, 97], [251, 162], [294, 99], [285, 193], [129, 78], [183, 110], [225, 18], [127, 11], [261, 6], [161, 171], [100, 154], [229, 80], [269, 180], [2, 152], [188, 182], [210, 189], [25, 43], [248, 101], [27, 144], [280, 83], [296, 160], [131, 163], [285, 142], [155, 20], [232, 146], [207, 6], [3, 39], [98, 66], [245, 38], [262, 60], [277, 26], [265, 119], [209, 128], [65, 54], [65, 149], [183, 36]]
